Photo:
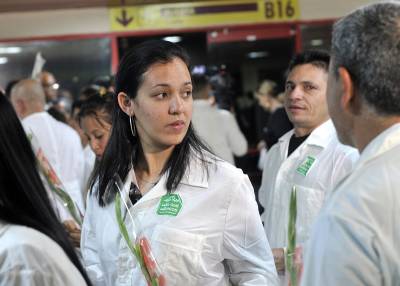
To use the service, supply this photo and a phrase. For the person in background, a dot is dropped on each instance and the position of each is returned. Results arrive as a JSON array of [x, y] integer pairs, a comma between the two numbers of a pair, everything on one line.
[[154, 148], [216, 127], [265, 106], [59, 142], [356, 238], [50, 87], [95, 119], [34, 248], [309, 157]]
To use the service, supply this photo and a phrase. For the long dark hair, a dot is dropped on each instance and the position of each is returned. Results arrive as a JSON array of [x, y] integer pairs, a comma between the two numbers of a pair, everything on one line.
[[123, 148], [23, 198]]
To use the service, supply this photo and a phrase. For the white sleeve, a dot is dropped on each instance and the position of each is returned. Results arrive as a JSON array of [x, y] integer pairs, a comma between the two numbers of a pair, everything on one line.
[[247, 253], [89, 246], [236, 139], [341, 252]]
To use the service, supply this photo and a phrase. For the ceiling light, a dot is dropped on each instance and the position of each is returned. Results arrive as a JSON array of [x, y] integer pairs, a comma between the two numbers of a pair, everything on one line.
[[10, 50], [257, 55], [173, 39], [3, 60], [251, 38], [317, 42]]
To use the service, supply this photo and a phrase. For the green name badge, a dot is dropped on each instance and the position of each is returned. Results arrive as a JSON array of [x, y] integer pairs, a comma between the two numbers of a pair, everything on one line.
[[170, 204], [304, 167]]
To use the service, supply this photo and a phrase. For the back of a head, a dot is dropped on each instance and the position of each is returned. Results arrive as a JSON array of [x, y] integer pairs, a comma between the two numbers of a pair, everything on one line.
[[317, 58], [10, 86], [367, 44], [31, 92], [23, 198], [200, 84]]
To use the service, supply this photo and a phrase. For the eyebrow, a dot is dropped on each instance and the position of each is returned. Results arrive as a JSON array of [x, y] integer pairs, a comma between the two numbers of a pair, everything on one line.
[[167, 85], [302, 82]]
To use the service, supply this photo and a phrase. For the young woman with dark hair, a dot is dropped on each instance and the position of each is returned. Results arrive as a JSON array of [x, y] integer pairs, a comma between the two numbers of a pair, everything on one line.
[[34, 247], [95, 119], [213, 235]]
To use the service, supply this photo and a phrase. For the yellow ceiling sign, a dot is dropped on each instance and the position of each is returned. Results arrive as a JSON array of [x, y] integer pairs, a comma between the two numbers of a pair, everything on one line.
[[200, 14]]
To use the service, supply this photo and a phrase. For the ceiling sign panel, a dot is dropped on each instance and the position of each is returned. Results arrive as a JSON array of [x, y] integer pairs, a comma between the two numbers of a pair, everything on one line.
[[202, 14]]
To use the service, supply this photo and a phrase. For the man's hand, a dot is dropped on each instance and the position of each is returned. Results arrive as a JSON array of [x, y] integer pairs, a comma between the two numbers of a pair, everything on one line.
[[73, 231], [279, 258]]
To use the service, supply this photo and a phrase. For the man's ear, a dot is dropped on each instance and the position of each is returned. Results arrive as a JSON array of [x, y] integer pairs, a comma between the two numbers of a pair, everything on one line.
[[125, 103], [350, 100]]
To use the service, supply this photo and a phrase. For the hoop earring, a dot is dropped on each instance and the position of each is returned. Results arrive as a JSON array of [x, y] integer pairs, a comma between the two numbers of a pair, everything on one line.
[[133, 127]]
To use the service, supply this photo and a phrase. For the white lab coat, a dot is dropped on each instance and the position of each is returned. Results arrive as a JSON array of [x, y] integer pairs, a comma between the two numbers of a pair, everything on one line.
[[219, 129], [216, 239], [62, 147], [332, 162], [30, 258], [356, 239]]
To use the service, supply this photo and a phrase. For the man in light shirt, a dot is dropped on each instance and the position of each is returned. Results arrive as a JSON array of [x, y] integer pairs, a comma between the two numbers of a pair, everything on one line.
[[59, 142], [356, 238], [218, 128], [308, 157]]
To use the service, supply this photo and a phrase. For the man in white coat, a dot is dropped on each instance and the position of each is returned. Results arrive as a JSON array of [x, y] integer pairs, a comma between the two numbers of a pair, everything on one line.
[[356, 238], [308, 157], [59, 142], [218, 128]]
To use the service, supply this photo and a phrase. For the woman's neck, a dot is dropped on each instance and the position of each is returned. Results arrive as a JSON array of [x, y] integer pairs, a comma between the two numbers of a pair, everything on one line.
[[151, 164]]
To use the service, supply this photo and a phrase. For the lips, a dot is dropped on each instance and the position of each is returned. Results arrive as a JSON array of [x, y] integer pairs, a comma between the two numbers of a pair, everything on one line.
[[177, 125], [294, 108]]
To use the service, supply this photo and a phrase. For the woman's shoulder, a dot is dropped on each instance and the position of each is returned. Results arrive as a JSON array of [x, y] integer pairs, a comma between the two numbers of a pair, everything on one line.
[[22, 237], [30, 251]]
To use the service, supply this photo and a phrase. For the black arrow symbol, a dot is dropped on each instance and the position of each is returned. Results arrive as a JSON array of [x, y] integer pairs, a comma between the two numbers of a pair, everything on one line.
[[124, 20]]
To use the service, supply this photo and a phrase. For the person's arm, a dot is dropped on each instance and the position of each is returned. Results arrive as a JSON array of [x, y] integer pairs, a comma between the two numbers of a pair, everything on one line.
[[89, 247], [341, 252], [236, 139], [247, 253]]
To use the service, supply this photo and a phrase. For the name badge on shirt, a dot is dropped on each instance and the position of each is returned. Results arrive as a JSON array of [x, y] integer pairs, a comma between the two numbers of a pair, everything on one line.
[[304, 167], [170, 204]]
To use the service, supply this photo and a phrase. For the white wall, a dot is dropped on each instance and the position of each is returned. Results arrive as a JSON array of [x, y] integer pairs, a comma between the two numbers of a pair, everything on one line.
[[51, 23], [328, 9]]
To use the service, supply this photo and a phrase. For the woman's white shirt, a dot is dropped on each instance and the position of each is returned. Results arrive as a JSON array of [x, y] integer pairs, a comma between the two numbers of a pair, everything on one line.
[[216, 238], [30, 258]]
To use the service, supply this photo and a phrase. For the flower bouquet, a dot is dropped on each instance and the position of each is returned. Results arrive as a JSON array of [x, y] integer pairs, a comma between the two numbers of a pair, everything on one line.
[[138, 243], [54, 181]]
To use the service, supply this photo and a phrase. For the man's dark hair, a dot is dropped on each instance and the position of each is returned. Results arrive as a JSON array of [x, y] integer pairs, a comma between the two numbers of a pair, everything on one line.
[[317, 58]]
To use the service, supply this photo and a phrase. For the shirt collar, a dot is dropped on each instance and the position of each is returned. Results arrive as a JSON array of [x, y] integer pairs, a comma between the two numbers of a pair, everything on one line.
[[385, 141], [320, 136], [196, 173]]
